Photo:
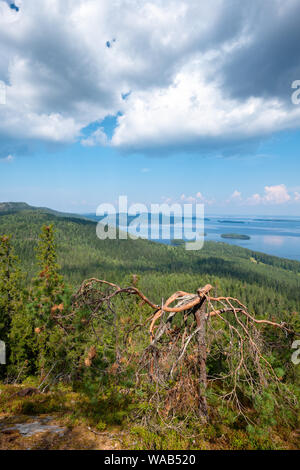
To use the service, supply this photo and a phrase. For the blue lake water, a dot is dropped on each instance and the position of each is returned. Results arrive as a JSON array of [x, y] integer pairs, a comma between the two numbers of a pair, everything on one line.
[[278, 236]]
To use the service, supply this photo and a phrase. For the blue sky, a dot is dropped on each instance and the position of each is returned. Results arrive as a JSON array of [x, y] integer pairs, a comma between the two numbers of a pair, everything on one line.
[[77, 179], [179, 108]]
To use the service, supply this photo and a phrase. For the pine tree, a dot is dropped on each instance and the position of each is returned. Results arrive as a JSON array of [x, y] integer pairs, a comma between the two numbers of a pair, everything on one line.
[[48, 299]]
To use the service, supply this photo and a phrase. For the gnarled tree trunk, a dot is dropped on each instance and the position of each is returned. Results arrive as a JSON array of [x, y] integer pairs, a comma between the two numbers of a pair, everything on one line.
[[200, 316]]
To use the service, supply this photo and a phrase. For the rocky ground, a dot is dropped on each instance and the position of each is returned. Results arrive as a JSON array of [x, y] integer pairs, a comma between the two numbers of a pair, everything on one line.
[[64, 420], [50, 433], [28, 422]]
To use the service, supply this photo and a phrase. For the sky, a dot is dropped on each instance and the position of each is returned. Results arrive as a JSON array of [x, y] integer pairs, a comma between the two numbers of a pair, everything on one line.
[[163, 101]]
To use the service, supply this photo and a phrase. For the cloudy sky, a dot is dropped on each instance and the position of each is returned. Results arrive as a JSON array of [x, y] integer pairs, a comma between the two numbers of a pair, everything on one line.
[[160, 100]]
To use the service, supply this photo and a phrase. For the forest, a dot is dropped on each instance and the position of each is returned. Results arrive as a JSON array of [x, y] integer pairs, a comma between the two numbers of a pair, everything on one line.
[[93, 333]]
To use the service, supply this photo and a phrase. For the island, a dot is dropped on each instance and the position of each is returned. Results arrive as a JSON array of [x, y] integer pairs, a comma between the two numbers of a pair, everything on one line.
[[231, 221], [235, 236]]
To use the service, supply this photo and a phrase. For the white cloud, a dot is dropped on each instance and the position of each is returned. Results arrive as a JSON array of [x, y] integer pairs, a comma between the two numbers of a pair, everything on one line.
[[199, 198], [273, 195], [192, 111], [188, 199], [67, 64], [297, 196], [254, 200], [235, 197], [276, 194]]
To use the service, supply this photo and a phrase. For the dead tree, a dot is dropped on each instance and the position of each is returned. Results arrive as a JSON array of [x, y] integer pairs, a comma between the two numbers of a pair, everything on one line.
[[184, 332], [200, 312]]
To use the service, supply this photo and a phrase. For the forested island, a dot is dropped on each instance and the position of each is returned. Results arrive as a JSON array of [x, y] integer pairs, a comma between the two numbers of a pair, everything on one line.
[[235, 236], [231, 221]]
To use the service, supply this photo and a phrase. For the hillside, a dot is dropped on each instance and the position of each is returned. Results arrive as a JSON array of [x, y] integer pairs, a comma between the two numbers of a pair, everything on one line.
[[95, 345], [267, 284], [14, 207]]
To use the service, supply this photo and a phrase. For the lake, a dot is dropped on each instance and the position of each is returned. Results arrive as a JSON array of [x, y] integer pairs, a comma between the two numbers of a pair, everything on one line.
[[278, 236]]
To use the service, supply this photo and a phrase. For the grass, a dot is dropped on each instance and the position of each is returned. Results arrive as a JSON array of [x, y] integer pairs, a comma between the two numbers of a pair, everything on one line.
[[74, 411]]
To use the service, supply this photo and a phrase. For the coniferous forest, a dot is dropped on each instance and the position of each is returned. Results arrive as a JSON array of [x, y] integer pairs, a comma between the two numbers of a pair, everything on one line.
[[149, 228], [145, 345]]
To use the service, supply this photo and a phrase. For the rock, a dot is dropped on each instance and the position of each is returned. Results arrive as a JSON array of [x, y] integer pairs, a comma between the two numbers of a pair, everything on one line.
[[36, 427]]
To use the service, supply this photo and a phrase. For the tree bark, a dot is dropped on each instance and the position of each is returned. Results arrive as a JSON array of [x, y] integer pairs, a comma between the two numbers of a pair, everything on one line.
[[202, 357]]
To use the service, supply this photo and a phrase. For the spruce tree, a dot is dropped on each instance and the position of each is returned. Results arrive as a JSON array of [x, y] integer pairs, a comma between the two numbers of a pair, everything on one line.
[[49, 281]]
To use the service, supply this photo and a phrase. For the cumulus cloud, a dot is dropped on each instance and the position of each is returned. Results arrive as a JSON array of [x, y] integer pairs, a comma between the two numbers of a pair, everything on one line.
[[297, 196], [273, 195], [276, 194], [196, 75], [198, 198], [187, 199], [194, 113], [254, 200], [236, 197]]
